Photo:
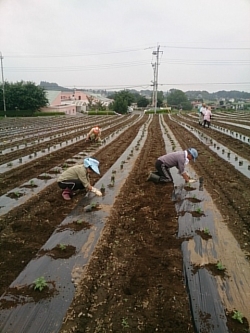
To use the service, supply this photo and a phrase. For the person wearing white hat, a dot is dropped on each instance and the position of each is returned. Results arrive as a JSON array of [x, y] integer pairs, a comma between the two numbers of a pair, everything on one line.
[[77, 178], [178, 159]]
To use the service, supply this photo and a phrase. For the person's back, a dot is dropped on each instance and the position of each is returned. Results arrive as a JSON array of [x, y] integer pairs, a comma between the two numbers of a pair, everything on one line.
[[175, 159]]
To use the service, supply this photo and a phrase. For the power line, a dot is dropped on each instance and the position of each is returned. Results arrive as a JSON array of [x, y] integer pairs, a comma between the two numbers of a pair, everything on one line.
[[121, 51]]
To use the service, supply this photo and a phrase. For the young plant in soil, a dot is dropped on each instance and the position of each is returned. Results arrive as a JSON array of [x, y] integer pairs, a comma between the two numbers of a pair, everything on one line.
[[32, 183], [238, 316], [40, 283], [62, 247], [17, 194], [125, 323], [198, 210], [103, 189], [220, 266], [206, 231]]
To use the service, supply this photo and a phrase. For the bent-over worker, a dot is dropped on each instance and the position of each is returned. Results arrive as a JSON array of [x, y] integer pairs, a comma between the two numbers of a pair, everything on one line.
[[94, 134], [77, 178], [177, 159]]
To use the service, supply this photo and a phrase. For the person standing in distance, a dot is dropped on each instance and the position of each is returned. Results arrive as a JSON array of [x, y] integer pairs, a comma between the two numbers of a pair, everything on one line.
[[201, 114]]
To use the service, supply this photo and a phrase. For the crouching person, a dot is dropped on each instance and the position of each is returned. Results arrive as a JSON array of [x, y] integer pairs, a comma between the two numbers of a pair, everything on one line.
[[94, 134], [177, 159], [77, 178]]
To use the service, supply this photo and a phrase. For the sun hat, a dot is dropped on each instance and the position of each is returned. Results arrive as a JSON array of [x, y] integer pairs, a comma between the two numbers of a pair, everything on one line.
[[92, 163], [193, 152]]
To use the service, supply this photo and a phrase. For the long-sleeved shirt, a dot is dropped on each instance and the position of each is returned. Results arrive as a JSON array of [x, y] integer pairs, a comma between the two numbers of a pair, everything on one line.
[[177, 159], [76, 172], [207, 115]]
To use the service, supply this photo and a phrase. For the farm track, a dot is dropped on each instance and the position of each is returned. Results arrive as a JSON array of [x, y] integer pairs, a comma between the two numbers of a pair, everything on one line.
[[26, 228], [34, 168]]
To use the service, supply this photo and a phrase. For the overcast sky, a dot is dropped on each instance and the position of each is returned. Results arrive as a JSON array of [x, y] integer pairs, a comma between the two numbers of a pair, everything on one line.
[[109, 44]]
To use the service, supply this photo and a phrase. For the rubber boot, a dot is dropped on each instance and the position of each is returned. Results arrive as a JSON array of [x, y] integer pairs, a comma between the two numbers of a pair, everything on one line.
[[153, 177], [66, 194], [165, 180]]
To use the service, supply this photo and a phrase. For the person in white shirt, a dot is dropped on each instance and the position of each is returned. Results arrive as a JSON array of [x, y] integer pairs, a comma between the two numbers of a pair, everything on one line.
[[207, 117], [202, 112]]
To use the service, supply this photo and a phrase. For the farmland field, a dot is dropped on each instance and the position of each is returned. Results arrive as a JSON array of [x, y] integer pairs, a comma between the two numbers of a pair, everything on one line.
[[134, 279]]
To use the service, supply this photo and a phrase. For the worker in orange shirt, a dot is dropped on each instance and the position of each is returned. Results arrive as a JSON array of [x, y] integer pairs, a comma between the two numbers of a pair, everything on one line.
[[94, 134]]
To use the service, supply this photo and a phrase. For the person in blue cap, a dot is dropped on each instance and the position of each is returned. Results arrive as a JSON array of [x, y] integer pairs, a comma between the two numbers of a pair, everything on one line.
[[177, 159], [77, 178]]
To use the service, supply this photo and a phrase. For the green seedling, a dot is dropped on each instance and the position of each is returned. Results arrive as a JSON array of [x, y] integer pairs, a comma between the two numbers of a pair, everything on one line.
[[220, 267], [198, 210], [125, 323], [62, 247], [103, 189], [9, 164], [206, 231], [32, 183], [238, 316], [194, 196], [17, 194], [40, 283], [94, 204], [79, 221]]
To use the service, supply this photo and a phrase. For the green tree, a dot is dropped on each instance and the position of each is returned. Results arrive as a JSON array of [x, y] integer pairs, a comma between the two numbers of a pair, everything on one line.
[[23, 96], [178, 99], [122, 100], [142, 102], [100, 106]]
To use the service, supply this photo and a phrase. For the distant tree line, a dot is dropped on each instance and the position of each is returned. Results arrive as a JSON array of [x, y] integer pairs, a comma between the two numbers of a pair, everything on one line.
[[22, 96]]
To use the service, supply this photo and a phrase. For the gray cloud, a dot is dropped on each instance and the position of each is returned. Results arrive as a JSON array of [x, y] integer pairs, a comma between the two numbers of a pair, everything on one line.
[[205, 45]]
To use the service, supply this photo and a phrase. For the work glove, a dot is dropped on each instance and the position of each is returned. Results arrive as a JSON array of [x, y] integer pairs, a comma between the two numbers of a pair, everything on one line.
[[96, 191], [191, 180]]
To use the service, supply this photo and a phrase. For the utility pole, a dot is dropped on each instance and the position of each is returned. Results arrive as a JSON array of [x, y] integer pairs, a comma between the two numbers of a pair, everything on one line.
[[156, 74], [153, 96], [4, 105]]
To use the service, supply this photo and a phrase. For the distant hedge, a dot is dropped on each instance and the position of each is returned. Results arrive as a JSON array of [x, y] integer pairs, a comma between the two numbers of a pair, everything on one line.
[[28, 113], [157, 111], [101, 113]]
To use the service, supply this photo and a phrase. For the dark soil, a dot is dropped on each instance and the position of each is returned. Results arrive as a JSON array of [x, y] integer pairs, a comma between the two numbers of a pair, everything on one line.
[[61, 251], [134, 281]]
